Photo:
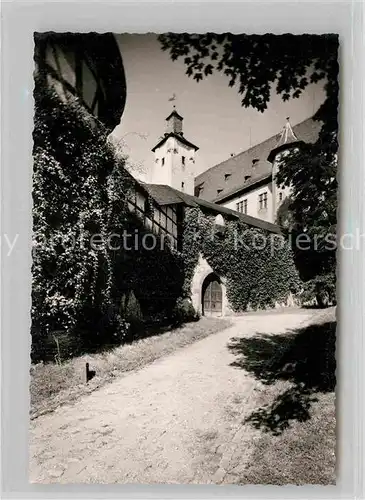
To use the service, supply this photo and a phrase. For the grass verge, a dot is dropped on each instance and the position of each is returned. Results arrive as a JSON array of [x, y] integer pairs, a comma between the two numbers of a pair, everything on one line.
[[52, 385], [295, 407], [304, 453]]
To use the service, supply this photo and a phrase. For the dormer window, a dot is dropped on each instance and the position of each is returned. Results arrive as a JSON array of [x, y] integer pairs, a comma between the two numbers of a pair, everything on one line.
[[255, 161], [247, 177], [219, 225], [219, 221], [227, 176], [219, 191], [199, 189]]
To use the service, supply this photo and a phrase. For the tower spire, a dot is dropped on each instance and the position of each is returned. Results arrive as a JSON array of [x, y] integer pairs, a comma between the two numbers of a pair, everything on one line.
[[174, 123], [287, 135]]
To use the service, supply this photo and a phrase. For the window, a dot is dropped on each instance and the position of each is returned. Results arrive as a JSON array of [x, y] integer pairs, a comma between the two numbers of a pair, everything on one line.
[[280, 196], [263, 201], [183, 160], [241, 206], [163, 161], [182, 186]]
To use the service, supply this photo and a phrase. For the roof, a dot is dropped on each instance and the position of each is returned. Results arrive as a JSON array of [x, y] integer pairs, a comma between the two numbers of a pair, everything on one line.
[[250, 167], [174, 113], [179, 137], [166, 195], [287, 134]]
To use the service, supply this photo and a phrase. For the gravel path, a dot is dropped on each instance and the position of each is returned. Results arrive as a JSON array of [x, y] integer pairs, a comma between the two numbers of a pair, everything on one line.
[[178, 420]]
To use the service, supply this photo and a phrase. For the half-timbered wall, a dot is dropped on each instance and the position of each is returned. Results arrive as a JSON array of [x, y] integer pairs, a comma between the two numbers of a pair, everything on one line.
[[161, 220]]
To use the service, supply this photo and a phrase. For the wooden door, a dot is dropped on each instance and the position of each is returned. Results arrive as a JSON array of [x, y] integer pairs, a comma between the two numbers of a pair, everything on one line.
[[212, 302]]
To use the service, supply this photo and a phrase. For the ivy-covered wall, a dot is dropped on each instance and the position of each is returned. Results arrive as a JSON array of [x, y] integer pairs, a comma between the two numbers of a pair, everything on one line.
[[257, 266], [80, 199]]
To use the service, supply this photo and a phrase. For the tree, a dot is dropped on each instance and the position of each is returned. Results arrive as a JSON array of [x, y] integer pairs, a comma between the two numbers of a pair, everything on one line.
[[257, 65], [253, 63]]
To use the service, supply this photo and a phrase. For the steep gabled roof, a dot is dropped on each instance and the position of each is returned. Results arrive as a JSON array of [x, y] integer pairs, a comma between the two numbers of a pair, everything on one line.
[[174, 113], [179, 137], [249, 167], [166, 195]]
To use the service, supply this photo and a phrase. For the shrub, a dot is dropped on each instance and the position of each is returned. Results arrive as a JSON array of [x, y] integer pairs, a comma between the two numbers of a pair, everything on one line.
[[321, 289], [184, 312], [131, 310]]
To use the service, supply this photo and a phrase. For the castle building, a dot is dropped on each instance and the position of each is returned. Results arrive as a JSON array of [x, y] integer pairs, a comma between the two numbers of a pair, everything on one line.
[[88, 67], [173, 184], [242, 187], [246, 182]]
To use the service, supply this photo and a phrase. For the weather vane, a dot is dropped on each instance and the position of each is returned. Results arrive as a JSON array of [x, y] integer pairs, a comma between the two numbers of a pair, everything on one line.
[[173, 98]]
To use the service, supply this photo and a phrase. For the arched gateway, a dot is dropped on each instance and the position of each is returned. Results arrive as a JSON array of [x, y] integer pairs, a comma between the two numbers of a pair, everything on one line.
[[212, 296]]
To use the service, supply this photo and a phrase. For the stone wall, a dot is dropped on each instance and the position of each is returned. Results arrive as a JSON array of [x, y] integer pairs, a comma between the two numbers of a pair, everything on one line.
[[202, 271]]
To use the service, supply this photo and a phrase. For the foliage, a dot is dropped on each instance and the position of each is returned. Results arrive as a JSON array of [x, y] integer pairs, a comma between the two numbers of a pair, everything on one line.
[[310, 211], [255, 277], [191, 245], [80, 191], [131, 311], [184, 311], [257, 65], [321, 289]]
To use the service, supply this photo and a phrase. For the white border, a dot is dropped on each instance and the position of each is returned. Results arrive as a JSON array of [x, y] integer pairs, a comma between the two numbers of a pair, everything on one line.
[[19, 20]]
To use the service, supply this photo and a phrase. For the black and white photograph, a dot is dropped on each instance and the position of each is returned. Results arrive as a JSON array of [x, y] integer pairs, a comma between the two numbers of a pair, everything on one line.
[[184, 242]]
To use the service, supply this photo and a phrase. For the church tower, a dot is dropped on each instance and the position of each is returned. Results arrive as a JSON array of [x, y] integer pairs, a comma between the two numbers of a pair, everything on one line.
[[174, 157]]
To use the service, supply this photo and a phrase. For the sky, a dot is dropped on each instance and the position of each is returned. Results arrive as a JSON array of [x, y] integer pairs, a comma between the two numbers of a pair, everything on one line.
[[214, 119]]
